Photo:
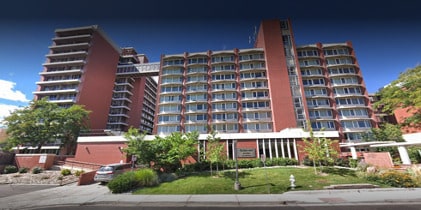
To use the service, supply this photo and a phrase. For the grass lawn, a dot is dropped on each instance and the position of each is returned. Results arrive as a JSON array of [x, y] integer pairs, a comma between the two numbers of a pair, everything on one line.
[[255, 181]]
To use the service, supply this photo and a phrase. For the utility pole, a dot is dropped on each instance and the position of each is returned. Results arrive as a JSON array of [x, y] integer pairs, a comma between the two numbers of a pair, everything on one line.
[[237, 185]]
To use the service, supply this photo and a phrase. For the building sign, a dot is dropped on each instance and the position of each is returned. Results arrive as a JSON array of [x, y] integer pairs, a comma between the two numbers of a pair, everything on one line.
[[246, 152], [42, 159]]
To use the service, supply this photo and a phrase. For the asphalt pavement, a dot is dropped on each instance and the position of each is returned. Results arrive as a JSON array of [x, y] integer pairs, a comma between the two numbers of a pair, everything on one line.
[[95, 194]]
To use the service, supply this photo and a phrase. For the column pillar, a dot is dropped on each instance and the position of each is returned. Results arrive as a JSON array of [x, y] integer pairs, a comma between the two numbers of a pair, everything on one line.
[[353, 152], [403, 153]]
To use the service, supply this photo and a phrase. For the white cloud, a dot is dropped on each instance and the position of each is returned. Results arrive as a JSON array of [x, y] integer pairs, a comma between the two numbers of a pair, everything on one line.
[[5, 110], [7, 92]]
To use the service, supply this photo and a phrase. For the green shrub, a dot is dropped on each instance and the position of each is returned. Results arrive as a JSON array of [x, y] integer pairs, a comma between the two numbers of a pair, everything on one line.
[[66, 172], [10, 169], [167, 177], [291, 162], [23, 170], [79, 172], [36, 170], [397, 179], [132, 180], [392, 178], [353, 163], [344, 162], [146, 177], [307, 161], [122, 183]]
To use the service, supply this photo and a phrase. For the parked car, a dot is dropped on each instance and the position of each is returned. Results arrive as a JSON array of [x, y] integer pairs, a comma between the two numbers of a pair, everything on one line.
[[108, 172]]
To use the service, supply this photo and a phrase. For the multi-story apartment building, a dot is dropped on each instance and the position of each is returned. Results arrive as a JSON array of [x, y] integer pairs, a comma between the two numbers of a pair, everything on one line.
[[252, 97], [274, 86], [335, 91], [85, 67]]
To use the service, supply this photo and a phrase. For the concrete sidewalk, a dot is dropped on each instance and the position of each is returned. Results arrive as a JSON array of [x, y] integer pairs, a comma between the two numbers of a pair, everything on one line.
[[100, 195]]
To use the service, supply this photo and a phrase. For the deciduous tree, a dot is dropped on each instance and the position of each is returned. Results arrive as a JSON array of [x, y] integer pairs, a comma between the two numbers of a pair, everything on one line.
[[319, 150], [404, 92], [215, 150], [43, 122]]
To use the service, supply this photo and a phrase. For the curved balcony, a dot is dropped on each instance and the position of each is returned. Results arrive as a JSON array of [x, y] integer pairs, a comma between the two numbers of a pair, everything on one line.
[[261, 78], [169, 112], [256, 120], [348, 106], [356, 117], [350, 74], [197, 71], [224, 110], [66, 54], [355, 130], [176, 122], [260, 98], [195, 101], [61, 72], [122, 99], [254, 109], [315, 96], [73, 45], [175, 93], [57, 91], [348, 95], [74, 62], [224, 99], [224, 121], [62, 81], [197, 82]]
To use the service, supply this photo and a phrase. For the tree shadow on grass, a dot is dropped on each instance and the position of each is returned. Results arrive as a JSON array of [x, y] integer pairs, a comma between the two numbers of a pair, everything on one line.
[[258, 185], [231, 174], [339, 171]]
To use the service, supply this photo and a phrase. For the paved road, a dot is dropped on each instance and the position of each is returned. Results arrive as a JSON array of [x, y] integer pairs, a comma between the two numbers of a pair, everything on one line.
[[97, 196], [16, 189], [280, 207]]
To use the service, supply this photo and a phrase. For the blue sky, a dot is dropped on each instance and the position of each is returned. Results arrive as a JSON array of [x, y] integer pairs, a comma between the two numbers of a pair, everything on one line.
[[386, 36]]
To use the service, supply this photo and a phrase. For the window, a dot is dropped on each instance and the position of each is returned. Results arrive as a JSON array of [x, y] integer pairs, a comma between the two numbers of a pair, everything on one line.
[[350, 101], [223, 86], [197, 87], [172, 71], [169, 118], [323, 124], [259, 65], [318, 102], [196, 118], [223, 68], [224, 106], [200, 60], [253, 75], [319, 81], [257, 126], [169, 108], [197, 97], [196, 107], [223, 58], [197, 78], [168, 128], [356, 124], [174, 62], [313, 62], [262, 104], [344, 70], [197, 69], [251, 57], [167, 89], [164, 99], [223, 76]]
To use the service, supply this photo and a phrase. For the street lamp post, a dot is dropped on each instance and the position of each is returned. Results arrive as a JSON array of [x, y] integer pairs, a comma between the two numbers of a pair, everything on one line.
[[237, 185]]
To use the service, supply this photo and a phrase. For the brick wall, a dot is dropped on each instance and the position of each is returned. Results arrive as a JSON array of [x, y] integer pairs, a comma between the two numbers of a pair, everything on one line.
[[44, 161]]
